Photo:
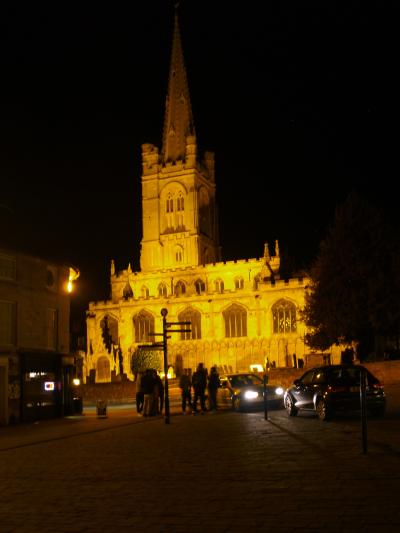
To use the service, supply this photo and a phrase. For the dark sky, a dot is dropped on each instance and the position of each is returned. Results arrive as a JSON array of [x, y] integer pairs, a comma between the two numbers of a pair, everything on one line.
[[299, 101]]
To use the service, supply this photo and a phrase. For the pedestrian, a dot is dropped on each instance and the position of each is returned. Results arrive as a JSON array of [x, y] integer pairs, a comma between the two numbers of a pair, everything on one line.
[[199, 384], [148, 383], [139, 394], [213, 385], [158, 393], [186, 390]]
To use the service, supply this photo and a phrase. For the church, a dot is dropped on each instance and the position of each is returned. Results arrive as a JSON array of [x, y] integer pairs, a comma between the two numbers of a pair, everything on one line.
[[242, 315]]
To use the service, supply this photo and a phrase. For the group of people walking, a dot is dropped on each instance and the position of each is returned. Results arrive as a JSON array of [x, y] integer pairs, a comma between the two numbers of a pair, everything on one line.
[[199, 382], [149, 393]]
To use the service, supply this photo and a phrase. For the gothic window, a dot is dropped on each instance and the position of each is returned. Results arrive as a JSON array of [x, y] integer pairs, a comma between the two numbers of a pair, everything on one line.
[[170, 204], [235, 318], [239, 283], [180, 208], [284, 317], [143, 324], [219, 286], [194, 317], [162, 290], [180, 203], [145, 292], [178, 254], [256, 282], [200, 286], [180, 288]]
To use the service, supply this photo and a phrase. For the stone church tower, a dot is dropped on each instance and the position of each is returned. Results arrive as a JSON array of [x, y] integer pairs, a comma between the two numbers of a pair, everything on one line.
[[241, 313], [178, 190]]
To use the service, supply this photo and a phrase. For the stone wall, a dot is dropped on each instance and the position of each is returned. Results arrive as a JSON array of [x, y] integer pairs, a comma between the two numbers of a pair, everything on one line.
[[388, 372]]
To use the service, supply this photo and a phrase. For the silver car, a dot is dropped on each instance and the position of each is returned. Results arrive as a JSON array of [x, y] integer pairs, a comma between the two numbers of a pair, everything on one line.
[[245, 391]]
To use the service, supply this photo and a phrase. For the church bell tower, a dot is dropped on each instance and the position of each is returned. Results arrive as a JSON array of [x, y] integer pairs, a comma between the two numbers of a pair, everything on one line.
[[179, 215]]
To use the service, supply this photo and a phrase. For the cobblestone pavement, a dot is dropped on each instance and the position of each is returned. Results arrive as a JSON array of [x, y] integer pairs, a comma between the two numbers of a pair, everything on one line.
[[222, 472]]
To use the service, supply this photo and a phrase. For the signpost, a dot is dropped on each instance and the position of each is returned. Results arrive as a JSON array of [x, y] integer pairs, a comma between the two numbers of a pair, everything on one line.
[[166, 325]]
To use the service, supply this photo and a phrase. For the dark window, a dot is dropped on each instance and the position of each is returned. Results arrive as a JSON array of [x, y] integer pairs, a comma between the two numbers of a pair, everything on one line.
[[235, 318]]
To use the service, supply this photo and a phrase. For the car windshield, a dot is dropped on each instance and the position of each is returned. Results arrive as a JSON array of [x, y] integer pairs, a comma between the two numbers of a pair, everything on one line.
[[244, 380], [349, 376]]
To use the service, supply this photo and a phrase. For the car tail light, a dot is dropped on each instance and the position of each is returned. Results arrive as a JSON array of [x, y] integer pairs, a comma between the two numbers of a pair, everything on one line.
[[377, 386]]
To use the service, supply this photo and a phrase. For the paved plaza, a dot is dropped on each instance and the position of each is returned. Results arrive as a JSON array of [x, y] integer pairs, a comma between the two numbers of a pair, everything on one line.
[[222, 472]]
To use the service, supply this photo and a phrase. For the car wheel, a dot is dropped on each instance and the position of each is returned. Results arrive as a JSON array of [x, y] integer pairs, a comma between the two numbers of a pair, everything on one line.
[[289, 406], [323, 411], [237, 404]]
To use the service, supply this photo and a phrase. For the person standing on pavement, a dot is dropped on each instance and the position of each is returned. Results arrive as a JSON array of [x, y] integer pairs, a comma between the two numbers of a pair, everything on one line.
[[199, 383], [148, 383], [213, 385], [186, 390], [158, 393], [139, 393]]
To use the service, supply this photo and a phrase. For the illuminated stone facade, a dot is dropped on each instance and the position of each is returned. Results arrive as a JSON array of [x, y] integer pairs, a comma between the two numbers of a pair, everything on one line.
[[241, 313]]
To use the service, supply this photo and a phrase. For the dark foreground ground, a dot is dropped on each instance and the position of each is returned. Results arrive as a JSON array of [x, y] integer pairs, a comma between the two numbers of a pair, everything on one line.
[[222, 472]]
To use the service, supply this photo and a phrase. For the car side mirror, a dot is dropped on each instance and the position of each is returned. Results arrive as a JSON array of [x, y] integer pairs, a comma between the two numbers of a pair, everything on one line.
[[296, 382]]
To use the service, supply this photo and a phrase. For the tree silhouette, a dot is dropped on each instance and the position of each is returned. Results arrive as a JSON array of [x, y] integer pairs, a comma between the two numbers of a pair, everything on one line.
[[354, 292]]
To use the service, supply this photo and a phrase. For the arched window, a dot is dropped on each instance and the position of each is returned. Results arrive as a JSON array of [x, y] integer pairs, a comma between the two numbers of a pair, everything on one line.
[[162, 290], [145, 292], [219, 286], [235, 318], [200, 286], [169, 204], [103, 369], [194, 317], [180, 288], [284, 317], [178, 254], [180, 205], [239, 283], [143, 324], [256, 282]]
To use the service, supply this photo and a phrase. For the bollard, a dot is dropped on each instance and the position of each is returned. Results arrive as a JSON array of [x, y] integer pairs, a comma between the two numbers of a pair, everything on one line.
[[101, 407]]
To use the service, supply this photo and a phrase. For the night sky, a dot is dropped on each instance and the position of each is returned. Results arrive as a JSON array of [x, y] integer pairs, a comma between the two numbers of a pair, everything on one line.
[[298, 101]]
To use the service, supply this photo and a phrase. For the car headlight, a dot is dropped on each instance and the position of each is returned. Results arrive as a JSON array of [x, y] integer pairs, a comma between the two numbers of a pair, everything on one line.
[[279, 391], [250, 394]]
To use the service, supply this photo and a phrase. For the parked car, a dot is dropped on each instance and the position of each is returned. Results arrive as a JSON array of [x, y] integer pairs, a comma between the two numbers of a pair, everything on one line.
[[329, 389], [246, 391]]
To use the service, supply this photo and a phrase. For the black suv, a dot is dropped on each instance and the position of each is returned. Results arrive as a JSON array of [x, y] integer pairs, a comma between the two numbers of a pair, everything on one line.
[[333, 388]]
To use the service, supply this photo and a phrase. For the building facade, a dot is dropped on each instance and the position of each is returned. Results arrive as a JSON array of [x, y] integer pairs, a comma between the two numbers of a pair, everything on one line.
[[35, 364], [241, 312]]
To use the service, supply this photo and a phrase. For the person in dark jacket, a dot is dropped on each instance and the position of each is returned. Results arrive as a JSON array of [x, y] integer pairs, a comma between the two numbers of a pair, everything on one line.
[[213, 385], [199, 383], [186, 390], [158, 393], [148, 383]]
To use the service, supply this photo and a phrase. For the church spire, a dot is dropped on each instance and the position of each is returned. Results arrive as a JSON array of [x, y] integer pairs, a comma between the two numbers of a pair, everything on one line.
[[178, 121]]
